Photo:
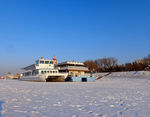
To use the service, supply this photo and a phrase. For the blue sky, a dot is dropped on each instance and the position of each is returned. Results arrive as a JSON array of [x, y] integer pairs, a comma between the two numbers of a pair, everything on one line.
[[72, 30]]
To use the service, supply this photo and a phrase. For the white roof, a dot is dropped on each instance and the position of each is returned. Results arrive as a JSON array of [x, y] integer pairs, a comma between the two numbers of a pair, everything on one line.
[[71, 63]]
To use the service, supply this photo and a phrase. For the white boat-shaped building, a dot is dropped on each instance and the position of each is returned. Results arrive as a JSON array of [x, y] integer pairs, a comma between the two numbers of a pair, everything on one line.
[[43, 71]]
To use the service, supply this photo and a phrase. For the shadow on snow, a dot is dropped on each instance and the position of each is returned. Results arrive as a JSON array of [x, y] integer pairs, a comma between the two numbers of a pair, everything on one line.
[[1, 102]]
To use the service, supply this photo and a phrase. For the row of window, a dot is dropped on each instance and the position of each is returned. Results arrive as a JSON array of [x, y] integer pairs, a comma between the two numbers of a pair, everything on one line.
[[27, 74], [35, 73], [46, 62], [43, 72]]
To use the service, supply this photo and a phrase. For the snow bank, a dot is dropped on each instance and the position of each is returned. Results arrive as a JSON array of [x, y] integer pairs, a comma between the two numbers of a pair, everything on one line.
[[99, 75], [132, 74]]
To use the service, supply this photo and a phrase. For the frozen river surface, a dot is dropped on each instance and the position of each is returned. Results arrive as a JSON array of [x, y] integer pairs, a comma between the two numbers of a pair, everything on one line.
[[107, 97]]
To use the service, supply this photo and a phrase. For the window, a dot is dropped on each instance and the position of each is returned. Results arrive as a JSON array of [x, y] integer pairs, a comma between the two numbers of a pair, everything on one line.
[[51, 62], [46, 62], [71, 73], [84, 79], [41, 62], [37, 62]]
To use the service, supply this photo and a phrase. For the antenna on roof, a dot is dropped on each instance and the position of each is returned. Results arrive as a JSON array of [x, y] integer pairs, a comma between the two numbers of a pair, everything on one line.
[[54, 58]]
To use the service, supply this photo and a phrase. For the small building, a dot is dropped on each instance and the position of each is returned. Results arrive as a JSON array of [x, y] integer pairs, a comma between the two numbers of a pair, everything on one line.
[[73, 68], [1, 77], [18, 75], [77, 72], [9, 76]]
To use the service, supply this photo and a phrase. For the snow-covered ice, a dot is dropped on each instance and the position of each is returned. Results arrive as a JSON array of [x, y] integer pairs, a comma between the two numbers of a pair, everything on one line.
[[111, 96]]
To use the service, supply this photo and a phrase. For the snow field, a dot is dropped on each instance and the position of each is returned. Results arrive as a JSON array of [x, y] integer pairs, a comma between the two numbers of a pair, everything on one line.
[[108, 97]]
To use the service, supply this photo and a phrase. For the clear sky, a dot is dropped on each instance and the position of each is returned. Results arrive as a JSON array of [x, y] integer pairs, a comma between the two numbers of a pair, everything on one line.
[[72, 30]]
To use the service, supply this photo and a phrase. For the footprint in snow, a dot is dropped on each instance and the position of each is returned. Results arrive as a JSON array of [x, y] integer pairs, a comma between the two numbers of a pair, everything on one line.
[[137, 114], [90, 112], [78, 106], [90, 104], [29, 100], [122, 104], [58, 104], [96, 104], [100, 115], [14, 100], [112, 106], [74, 115], [110, 97], [20, 111], [86, 96], [103, 100], [126, 108], [34, 112], [119, 113], [134, 104], [35, 107], [16, 106]]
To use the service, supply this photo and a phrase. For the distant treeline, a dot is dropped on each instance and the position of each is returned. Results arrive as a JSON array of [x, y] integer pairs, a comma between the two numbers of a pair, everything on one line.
[[110, 64]]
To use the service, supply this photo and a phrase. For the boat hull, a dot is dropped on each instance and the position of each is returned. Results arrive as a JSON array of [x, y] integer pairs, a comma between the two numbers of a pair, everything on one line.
[[45, 78], [33, 78]]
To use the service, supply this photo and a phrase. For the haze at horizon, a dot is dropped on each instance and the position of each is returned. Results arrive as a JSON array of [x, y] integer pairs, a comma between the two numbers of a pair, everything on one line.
[[72, 30]]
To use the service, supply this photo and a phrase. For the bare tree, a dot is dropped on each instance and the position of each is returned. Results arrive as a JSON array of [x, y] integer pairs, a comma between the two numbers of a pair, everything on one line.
[[106, 63], [92, 66], [129, 67]]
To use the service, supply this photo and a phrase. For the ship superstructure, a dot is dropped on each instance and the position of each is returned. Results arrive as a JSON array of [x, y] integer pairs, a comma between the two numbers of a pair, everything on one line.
[[43, 70]]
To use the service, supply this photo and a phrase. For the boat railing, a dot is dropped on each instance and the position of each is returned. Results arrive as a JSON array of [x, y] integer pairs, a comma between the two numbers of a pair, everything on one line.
[[74, 67]]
